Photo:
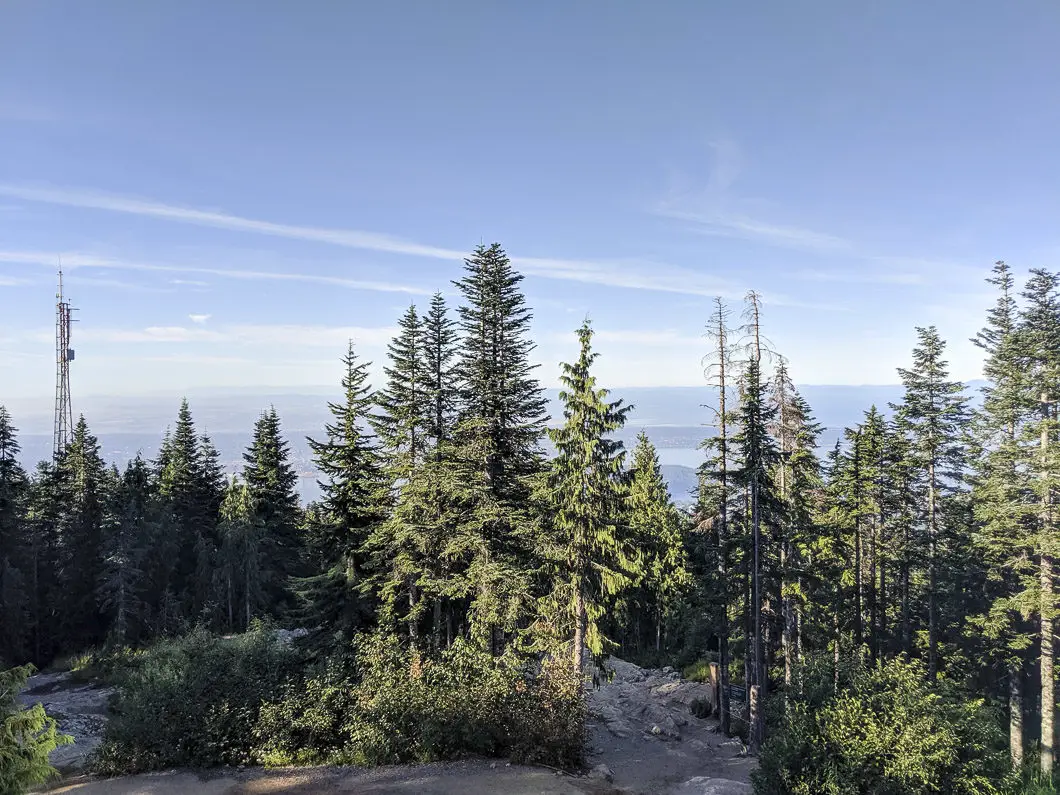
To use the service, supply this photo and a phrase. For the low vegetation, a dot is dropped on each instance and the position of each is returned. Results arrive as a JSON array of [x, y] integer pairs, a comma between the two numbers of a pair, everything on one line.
[[202, 700], [27, 736]]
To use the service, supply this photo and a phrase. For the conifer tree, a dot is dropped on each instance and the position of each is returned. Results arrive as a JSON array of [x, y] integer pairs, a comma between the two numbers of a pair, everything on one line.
[[243, 573], [933, 416], [353, 500], [271, 484], [501, 403], [758, 457], [85, 485], [716, 492], [1038, 338], [401, 423], [442, 389], [178, 484], [798, 479], [210, 486], [47, 507], [656, 533], [424, 567], [591, 552], [15, 558], [497, 442], [130, 526], [1002, 500]]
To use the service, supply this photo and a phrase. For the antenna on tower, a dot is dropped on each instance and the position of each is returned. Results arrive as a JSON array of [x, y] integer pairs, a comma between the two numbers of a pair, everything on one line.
[[64, 354]]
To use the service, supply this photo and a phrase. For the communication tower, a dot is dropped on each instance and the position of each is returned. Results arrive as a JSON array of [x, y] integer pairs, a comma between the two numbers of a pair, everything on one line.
[[64, 354]]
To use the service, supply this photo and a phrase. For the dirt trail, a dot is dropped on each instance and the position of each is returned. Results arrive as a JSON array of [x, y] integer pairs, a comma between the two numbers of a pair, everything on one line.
[[644, 740]]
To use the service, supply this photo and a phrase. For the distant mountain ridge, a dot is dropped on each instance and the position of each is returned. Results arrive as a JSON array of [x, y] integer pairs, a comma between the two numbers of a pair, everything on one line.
[[675, 419]]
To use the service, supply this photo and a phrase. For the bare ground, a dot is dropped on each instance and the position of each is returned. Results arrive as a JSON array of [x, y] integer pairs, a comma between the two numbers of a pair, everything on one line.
[[644, 740]]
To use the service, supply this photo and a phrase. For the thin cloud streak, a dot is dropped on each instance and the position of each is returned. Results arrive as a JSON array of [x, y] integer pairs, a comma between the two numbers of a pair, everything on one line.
[[628, 274], [76, 260]]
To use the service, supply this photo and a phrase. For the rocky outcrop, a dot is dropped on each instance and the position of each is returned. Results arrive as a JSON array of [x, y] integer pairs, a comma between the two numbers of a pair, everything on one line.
[[79, 709]]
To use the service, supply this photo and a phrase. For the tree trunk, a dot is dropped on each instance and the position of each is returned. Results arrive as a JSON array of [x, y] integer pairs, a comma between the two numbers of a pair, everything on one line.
[[1015, 716], [933, 628], [1048, 652], [579, 630]]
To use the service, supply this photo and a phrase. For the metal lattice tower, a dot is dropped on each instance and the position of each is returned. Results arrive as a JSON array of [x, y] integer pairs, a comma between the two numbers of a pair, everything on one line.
[[64, 354]]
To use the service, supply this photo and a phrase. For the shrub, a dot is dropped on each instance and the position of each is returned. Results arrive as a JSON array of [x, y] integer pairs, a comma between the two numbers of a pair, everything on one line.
[[27, 736], [887, 732], [397, 706], [193, 701]]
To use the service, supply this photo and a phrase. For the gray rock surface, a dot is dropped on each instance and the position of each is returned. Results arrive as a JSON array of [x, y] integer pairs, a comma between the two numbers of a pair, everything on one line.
[[80, 710]]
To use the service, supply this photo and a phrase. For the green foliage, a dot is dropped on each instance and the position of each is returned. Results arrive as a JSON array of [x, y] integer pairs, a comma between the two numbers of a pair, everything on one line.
[[395, 705], [194, 701], [203, 701], [27, 736], [888, 731], [587, 541]]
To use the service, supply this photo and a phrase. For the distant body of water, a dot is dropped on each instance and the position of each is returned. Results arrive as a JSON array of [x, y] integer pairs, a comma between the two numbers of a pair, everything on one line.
[[309, 490]]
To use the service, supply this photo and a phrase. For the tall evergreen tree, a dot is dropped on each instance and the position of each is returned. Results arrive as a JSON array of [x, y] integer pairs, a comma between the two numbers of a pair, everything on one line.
[[590, 549], [442, 388], [85, 485], [757, 460], [1038, 338], [245, 568], [502, 405], [497, 442], [353, 501], [656, 532], [1002, 500], [271, 484], [933, 415], [130, 526], [401, 423], [15, 557]]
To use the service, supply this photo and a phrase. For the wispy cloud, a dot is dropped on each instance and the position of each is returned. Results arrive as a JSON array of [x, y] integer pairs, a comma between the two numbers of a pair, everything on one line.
[[249, 335], [711, 208], [189, 282], [72, 260], [628, 273], [200, 319], [11, 281], [349, 238]]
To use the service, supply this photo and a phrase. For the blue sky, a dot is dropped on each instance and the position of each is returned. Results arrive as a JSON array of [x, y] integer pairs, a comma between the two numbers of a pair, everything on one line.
[[237, 188]]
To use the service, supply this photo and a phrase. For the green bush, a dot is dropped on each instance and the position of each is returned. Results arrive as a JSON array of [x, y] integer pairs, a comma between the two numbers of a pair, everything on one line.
[[397, 706], [193, 701], [27, 736], [203, 701], [888, 732]]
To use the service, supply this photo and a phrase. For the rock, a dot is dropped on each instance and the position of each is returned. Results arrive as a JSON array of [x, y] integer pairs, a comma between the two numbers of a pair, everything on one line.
[[602, 771], [701, 785]]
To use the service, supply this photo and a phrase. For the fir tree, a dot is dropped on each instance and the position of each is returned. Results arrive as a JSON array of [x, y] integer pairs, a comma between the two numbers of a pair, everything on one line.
[[352, 504], [401, 423], [15, 558], [497, 442], [500, 400], [243, 571], [1038, 338], [442, 391], [85, 484], [656, 533], [271, 487], [591, 552], [758, 457], [933, 415], [1002, 498], [128, 531]]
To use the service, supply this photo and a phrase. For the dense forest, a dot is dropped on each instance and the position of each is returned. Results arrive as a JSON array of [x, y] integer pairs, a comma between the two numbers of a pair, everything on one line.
[[898, 590]]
